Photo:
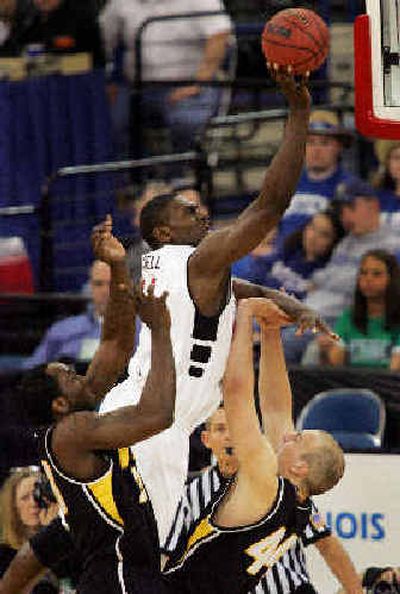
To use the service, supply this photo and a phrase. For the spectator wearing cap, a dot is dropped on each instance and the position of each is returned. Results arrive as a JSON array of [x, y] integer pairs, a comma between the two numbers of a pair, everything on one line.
[[331, 289], [387, 180], [322, 173]]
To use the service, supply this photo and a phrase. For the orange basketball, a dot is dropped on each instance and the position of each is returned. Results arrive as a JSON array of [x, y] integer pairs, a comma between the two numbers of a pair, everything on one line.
[[296, 37]]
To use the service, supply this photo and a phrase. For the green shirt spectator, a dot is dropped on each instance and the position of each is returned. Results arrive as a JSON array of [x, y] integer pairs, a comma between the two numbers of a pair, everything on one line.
[[373, 349], [370, 328]]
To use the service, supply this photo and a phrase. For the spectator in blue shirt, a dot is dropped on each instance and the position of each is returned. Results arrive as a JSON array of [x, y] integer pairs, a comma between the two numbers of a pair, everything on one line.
[[303, 252], [387, 180], [322, 173], [77, 337]]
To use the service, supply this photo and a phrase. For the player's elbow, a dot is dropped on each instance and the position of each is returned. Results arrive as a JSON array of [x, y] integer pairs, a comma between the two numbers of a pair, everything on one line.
[[162, 419]]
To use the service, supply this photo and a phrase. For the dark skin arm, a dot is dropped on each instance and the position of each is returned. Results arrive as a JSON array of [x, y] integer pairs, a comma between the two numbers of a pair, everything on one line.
[[27, 567], [79, 436], [209, 265], [118, 332], [299, 313], [24, 570]]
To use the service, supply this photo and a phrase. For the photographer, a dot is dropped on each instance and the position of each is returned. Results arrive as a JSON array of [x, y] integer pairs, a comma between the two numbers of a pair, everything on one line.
[[382, 580], [25, 510]]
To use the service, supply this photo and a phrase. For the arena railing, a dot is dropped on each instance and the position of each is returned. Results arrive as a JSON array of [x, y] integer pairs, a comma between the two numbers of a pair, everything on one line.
[[76, 198]]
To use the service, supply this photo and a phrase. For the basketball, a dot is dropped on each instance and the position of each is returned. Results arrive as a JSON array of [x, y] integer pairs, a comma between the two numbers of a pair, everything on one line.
[[296, 37]]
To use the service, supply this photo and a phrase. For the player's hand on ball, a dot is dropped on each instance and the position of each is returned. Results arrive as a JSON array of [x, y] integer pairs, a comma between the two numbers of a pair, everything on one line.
[[105, 246], [294, 89], [152, 310]]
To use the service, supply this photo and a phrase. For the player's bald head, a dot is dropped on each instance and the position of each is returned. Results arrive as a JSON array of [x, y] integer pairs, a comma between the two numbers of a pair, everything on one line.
[[325, 461]]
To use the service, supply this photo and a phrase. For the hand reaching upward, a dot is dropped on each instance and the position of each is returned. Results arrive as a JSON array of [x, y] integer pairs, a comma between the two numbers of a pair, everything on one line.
[[153, 310], [106, 247], [295, 90], [267, 313]]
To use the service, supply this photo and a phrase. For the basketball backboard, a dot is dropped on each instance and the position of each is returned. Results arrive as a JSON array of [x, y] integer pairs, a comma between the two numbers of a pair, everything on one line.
[[377, 69]]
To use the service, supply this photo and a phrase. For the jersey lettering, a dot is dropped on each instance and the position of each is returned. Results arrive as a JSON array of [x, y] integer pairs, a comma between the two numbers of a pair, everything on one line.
[[150, 262], [269, 550]]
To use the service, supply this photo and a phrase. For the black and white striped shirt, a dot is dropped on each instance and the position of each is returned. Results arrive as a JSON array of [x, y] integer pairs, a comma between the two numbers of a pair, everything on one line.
[[288, 574]]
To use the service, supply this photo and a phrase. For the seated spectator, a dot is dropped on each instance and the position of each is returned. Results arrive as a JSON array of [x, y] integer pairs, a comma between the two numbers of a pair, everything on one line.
[[387, 180], [190, 50], [322, 172], [303, 252], [370, 328], [62, 26], [22, 518], [77, 337], [331, 289]]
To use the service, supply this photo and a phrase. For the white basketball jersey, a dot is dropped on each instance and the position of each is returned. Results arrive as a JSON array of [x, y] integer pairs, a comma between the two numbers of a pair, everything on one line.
[[200, 344]]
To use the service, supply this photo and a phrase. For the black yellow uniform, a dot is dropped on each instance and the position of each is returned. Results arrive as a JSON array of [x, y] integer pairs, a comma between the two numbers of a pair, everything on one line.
[[215, 560], [111, 523]]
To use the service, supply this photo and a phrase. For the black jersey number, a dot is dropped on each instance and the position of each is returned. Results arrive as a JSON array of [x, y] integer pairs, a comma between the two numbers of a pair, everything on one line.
[[204, 330]]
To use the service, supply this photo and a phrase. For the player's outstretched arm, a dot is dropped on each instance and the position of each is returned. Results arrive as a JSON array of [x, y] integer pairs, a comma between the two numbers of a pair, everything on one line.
[[118, 332], [220, 249], [273, 383], [340, 564], [301, 315], [257, 461], [83, 433]]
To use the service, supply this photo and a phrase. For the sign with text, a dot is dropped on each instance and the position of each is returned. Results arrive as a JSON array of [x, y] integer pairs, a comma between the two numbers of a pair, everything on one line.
[[364, 512]]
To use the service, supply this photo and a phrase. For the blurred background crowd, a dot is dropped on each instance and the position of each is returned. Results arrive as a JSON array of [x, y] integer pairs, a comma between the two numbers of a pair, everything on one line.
[[106, 103]]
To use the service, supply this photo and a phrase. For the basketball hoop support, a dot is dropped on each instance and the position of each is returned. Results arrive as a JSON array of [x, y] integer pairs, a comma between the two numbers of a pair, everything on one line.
[[367, 122]]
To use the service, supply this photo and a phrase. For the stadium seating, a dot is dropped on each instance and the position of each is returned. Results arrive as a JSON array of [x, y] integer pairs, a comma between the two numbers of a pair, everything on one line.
[[354, 416]]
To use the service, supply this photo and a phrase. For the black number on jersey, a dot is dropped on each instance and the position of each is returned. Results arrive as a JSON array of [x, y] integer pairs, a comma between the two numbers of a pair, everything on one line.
[[205, 330]]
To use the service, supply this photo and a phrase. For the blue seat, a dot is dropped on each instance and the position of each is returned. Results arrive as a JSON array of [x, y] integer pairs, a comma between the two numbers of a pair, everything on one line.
[[354, 416]]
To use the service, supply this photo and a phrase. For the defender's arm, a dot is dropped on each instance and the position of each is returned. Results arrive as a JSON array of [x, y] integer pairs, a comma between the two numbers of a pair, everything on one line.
[[273, 387], [118, 334], [252, 449], [88, 432]]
